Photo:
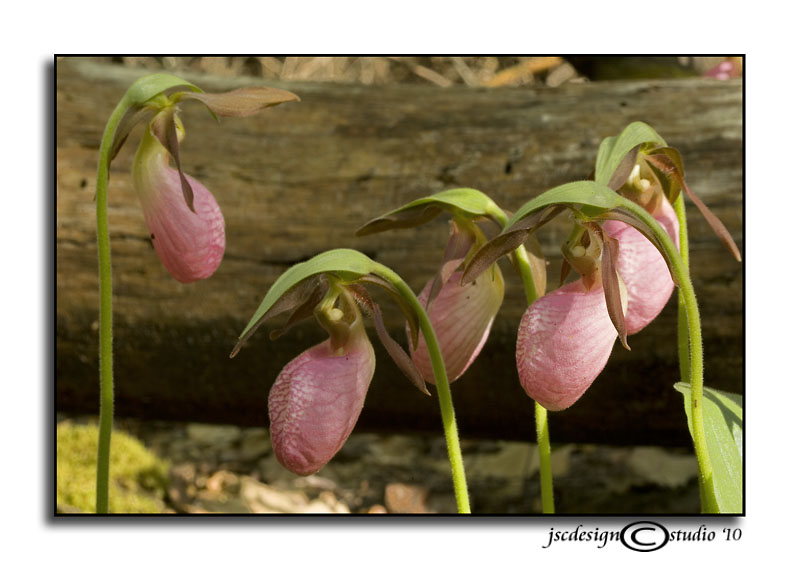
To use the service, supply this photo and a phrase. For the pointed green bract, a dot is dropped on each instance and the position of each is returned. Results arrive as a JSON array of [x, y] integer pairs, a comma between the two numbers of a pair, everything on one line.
[[345, 263], [147, 87], [585, 193], [613, 149], [458, 201], [722, 419]]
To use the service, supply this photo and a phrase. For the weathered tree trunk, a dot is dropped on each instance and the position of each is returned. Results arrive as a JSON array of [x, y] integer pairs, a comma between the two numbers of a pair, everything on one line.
[[298, 179]]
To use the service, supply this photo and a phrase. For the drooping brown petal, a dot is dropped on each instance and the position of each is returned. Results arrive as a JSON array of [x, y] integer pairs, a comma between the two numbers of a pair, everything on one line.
[[510, 239], [490, 252], [536, 220], [166, 132], [624, 169], [666, 165], [716, 224], [396, 352], [642, 267], [457, 248], [295, 297], [611, 288], [408, 311], [303, 310], [627, 218], [132, 117], [669, 180], [243, 101], [404, 219], [361, 295]]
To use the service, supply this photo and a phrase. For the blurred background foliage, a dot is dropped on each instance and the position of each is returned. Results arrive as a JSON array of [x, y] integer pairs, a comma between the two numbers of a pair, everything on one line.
[[444, 71]]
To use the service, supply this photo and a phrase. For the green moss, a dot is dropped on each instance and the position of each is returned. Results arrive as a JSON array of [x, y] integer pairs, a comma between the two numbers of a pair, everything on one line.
[[138, 478]]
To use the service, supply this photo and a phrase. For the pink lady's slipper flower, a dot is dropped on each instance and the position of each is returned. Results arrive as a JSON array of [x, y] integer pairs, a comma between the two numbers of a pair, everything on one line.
[[186, 225], [461, 316], [317, 398], [190, 243], [566, 336], [461, 307], [642, 266], [565, 339]]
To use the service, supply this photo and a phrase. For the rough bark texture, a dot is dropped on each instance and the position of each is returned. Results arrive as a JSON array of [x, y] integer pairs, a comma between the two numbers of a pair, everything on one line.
[[298, 179]]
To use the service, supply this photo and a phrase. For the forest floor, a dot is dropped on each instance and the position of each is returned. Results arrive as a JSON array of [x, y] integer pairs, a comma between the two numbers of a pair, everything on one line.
[[228, 469]]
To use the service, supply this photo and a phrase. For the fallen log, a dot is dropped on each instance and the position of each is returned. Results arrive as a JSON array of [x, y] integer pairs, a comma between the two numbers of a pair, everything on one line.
[[300, 178]]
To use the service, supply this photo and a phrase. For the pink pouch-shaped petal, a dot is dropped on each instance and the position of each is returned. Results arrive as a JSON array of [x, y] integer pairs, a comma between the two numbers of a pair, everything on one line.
[[189, 244], [462, 318], [316, 400], [643, 269], [564, 341]]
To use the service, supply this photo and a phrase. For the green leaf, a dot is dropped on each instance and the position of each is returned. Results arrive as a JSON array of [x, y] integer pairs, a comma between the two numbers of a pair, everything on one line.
[[603, 153], [614, 149], [346, 264], [585, 193], [458, 201], [147, 87], [722, 420]]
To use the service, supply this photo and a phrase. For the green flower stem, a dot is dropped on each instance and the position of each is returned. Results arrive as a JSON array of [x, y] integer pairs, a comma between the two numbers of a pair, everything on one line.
[[105, 319], [545, 469], [442, 389], [683, 326], [542, 431], [526, 274], [695, 351]]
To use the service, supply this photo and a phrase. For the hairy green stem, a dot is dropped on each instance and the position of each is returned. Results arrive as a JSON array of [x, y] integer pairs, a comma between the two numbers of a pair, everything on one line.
[[695, 353], [442, 390], [545, 469], [523, 265], [683, 326], [542, 431], [105, 318]]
